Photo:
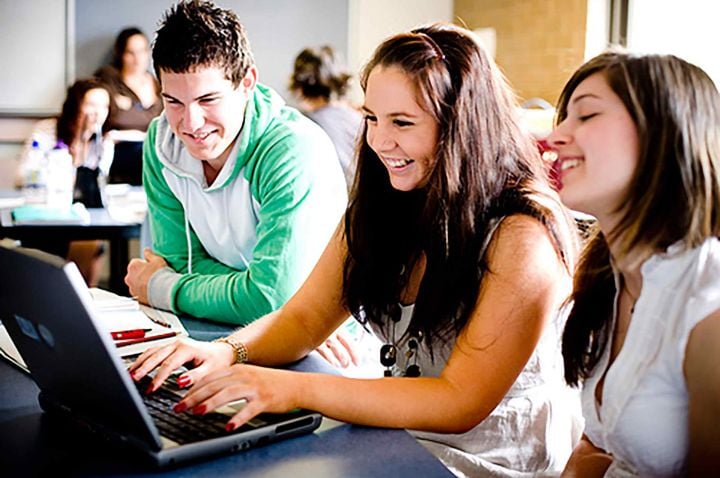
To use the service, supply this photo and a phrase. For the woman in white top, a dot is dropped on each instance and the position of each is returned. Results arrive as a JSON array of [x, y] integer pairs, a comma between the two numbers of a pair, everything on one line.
[[638, 141], [450, 211], [81, 127]]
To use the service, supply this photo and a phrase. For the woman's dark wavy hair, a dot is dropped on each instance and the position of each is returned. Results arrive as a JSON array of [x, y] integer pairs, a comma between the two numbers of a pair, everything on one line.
[[674, 194], [121, 44], [69, 122], [318, 73], [198, 33], [487, 167]]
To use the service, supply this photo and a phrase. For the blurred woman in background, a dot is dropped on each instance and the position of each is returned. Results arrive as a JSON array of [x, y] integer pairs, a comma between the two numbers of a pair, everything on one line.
[[82, 126], [135, 95]]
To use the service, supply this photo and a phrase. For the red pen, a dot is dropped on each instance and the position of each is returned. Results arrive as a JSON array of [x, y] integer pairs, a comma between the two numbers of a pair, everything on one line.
[[129, 334], [146, 338]]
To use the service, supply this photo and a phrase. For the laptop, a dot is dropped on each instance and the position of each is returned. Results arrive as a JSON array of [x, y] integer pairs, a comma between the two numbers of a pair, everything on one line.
[[48, 312]]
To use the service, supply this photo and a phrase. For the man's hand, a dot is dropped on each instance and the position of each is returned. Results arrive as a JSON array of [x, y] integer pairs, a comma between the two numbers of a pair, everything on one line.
[[139, 273], [338, 350]]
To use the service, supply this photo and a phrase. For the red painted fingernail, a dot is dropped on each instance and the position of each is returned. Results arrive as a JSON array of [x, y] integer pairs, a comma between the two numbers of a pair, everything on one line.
[[179, 407], [230, 427], [150, 389], [183, 381], [199, 410]]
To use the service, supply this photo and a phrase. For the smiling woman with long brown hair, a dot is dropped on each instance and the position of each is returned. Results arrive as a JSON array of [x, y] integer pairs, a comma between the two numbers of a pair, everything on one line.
[[454, 250], [639, 148]]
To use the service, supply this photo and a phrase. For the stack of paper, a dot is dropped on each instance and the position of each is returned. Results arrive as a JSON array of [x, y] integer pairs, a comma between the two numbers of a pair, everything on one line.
[[9, 352], [116, 314], [10, 199], [125, 203]]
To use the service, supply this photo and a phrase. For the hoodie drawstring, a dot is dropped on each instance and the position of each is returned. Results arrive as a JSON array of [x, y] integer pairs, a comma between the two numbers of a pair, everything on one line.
[[187, 227]]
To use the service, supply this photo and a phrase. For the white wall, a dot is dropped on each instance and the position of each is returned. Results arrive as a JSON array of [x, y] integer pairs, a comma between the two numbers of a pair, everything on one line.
[[597, 27], [32, 55], [371, 21], [35, 56], [688, 29]]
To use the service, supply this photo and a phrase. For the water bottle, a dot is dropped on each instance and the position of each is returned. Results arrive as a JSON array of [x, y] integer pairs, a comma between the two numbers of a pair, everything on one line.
[[35, 174], [61, 177]]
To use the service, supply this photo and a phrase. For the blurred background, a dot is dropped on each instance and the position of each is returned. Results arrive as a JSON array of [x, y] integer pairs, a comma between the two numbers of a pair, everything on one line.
[[46, 44]]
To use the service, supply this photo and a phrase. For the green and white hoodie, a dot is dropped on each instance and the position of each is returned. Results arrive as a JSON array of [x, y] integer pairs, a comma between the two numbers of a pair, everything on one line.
[[241, 247]]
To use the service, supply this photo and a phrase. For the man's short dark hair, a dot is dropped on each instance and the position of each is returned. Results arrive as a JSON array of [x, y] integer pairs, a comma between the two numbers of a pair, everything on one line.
[[198, 33]]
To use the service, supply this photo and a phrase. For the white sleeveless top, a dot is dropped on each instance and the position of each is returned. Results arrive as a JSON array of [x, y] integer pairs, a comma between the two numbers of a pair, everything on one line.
[[643, 418], [531, 432]]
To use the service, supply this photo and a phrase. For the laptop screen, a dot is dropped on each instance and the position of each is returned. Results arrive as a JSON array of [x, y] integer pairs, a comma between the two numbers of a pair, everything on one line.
[[47, 311]]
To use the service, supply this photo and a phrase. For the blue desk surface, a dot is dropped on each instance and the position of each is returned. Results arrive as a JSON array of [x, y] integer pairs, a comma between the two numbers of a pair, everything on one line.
[[35, 444]]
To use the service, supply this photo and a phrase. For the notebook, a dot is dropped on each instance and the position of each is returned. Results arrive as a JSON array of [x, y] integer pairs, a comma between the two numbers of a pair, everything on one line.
[[48, 313]]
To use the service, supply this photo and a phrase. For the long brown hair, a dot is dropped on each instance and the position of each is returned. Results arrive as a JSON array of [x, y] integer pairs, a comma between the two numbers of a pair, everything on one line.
[[120, 45], [674, 194], [69, 124], [487, 168]]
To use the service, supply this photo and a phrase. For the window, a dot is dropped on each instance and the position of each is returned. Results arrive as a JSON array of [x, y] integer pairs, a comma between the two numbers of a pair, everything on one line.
[[688, 29]]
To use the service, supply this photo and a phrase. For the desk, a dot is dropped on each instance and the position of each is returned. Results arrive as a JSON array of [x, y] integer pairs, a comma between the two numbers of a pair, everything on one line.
[[101, 227], [34, 444]]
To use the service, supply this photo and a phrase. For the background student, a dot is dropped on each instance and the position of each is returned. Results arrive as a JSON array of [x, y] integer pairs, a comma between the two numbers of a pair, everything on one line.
[[136, 101], [320, 83], [82, 127], [454, 250], [639, 148], [243, 192]]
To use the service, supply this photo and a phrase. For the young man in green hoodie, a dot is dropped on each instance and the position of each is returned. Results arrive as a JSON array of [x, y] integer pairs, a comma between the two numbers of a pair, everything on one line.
[[243, 191]]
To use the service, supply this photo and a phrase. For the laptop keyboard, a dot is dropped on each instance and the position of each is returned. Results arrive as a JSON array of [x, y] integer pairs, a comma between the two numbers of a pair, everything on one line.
[[180, 427]]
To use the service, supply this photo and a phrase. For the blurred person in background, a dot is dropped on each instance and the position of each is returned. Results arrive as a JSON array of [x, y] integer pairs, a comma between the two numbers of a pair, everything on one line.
[[135, 94], [320, 83], [82, 126]]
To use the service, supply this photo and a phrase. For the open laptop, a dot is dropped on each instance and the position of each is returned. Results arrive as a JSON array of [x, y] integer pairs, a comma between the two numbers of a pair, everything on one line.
[[48, 312]]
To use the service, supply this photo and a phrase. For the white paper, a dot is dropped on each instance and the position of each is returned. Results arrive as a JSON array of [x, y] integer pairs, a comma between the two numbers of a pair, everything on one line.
[[9, 351], [116, 313]]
